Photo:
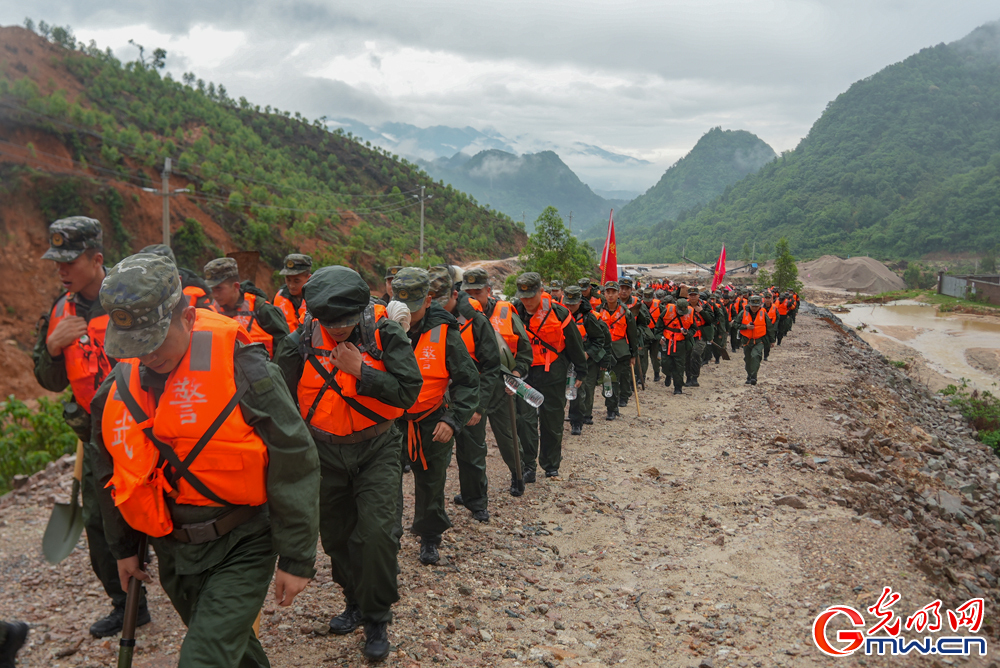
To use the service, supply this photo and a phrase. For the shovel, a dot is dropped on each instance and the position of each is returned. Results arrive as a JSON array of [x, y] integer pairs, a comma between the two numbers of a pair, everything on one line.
[[722, 350], [66, 522]]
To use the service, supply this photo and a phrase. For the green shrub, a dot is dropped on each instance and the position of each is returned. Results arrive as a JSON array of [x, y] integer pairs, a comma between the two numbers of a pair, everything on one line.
[[982, 409], [30, 439]]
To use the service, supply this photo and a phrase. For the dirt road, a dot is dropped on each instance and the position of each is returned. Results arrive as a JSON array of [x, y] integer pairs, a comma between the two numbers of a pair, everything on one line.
[[708, 532]]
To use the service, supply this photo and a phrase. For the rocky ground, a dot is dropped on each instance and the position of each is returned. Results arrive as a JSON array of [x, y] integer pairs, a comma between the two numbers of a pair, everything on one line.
[[708, 532]]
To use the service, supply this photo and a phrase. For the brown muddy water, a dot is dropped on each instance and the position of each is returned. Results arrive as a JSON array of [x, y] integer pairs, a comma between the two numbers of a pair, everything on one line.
[[942, 338]]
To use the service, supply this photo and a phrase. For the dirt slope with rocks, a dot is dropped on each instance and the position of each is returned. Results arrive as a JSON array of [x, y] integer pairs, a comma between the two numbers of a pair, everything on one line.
[[708, 532]]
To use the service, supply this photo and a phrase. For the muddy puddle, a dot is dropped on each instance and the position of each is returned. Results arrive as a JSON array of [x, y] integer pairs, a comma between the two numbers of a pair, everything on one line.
[[957, 346]]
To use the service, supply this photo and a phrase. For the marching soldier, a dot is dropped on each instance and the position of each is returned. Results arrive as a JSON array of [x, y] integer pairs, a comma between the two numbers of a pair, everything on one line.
[[195, 288], [703, 330], [431, 422], [245, 304], [353, 373], [480, 340], [197, 444], [70, 352], [650, 351], [288, 299], [555, 344], [516, 349], [624, 346], [641, 316], [767, 303], [390, 274], [675, 327], [597, 346], [556, 291], [753, 324], [591, 292]]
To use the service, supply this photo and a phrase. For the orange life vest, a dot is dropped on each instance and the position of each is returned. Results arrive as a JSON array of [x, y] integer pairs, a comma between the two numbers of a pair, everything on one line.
[[430, 353], [772, 312], [547, 336], [149, 440], [465, 328], [759, 323], [616, 322], [782, 307], [246, 315], [199, 298], [86, 363], [293, 317], [595, 303], [333, 404], [580, 323], [674, 321], [503, 322], [654, 311]]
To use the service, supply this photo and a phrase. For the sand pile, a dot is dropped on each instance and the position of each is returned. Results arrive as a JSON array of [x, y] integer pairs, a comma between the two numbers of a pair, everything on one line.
[[859, 274]]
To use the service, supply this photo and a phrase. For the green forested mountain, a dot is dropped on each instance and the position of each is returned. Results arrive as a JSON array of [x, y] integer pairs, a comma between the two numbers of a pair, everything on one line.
[[272, 180], [719, 159], [528, 183], [905, 162]]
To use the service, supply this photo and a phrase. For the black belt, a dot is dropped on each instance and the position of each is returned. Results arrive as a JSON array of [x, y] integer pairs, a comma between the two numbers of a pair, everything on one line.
[[368, 434], [205, 532]]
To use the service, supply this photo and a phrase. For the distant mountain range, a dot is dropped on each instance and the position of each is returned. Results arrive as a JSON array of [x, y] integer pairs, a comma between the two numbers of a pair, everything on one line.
[[621, 175], [522, 186]]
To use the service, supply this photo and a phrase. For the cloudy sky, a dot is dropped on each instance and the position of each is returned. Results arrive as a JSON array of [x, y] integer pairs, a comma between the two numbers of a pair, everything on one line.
[[644, 78]]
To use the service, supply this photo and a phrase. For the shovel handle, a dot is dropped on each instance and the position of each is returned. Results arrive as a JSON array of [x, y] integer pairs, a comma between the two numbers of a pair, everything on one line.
[[78, 467]]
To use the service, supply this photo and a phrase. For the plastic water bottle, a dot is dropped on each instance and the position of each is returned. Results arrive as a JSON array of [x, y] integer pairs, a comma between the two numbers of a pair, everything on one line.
[[571, 383], [532, 396], [608, 390]]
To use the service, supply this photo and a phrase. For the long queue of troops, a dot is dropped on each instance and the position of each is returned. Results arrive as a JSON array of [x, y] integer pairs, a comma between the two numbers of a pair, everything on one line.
[[232, 430]]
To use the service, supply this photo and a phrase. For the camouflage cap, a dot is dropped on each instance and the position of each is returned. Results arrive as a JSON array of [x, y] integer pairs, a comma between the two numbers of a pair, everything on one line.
[[162, 250], [584, 283], [475, 279], [611, 285], [411, 286], [557, 284], [295, 264], [660, 294], [529, 284], [624, 282], [69, 237], [682, 306], [336, 296], [139, 294], [755, 300], [390, 272], [648, 294], [441, 281], [572, 295], [220, 270]]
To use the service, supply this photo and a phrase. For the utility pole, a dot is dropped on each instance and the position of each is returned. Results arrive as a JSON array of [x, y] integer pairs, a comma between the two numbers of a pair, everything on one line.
[[422, 199], [166, 194], [570, 222]]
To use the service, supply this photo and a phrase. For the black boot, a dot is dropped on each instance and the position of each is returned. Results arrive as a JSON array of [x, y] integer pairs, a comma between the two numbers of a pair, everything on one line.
[[753, 381], [622, 402], [576, 428], [516, 486], [749, 379], [112, 624], [376, 641], [612, 414], [667, 382], [656, 378], [458, 500], [588, 420], [17, 633], [678, 390], [481, 515], [693, 382], [346, 621], [429, 552]]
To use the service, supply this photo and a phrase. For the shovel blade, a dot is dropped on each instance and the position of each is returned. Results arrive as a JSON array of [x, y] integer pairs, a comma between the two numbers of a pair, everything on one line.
[[63, 532]]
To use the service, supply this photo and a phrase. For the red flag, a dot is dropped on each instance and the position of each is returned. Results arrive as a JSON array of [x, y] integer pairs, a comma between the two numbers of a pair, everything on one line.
[[720, 269], [609, 257]]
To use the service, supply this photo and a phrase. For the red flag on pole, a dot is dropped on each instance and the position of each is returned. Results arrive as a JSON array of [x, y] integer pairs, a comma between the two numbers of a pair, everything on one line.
[[720, 269], [609, 257]]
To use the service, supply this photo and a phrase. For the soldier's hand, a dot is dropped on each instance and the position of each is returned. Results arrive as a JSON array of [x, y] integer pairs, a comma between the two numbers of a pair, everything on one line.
[[287, 587], [579, 383], [129, 568], [347, 358], [443, 432], [66, 332], [474, 420]]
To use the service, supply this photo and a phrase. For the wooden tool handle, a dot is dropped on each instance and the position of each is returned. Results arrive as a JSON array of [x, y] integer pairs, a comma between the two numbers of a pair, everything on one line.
[[78, 468]]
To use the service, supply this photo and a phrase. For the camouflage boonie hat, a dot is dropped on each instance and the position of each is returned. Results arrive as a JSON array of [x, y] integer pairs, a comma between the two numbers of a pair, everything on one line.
[[390, 273], [756, 300], [336, 296], [295, 264], [139, 294], [441, 281], [572, 295], [220, 270], [69, 237], [411, 286], [162, 250], [624, 282], [529, 284], [475, 279], [611, 285]]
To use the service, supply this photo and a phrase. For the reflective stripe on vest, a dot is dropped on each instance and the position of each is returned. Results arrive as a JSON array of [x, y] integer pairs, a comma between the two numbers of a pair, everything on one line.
[[340, 411], [430, 353], [547, 336], [292, 317], [759, 324], [198, 424], [503, 322], [617, 322], [86, 364], [246, 315]]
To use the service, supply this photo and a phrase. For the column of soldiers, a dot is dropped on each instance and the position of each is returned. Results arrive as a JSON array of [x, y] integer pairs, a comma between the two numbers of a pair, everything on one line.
[[234, 430]]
